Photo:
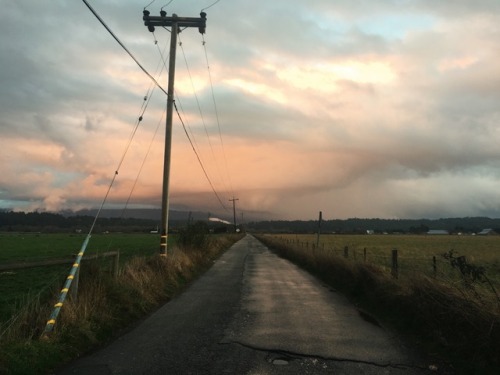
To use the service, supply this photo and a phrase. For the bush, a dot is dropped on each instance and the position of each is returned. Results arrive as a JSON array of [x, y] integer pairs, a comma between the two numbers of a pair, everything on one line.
[[195, 236]]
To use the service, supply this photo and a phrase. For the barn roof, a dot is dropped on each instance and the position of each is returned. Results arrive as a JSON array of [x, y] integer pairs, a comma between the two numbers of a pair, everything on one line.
[[438, 231]]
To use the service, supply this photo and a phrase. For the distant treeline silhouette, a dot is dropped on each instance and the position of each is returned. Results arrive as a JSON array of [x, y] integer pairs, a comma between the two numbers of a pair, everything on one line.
[[466, 225], [54, 222]]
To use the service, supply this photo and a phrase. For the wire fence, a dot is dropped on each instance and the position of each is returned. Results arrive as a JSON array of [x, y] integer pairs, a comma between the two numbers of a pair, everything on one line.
[[27, 285], [443, 266]]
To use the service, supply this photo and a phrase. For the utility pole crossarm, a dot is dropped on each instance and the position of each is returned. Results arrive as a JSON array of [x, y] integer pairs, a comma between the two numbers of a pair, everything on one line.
[[164, 21]]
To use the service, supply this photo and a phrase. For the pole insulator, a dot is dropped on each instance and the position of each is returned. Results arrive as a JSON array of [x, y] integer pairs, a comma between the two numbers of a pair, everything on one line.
[[145, 18], [203, 24]]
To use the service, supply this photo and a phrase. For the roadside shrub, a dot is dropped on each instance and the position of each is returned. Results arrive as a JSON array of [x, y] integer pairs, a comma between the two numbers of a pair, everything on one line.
[[195, 236]]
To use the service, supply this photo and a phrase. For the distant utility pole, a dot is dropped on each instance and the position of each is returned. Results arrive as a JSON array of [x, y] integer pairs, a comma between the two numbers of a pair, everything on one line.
[[234, 211], [174, 22]]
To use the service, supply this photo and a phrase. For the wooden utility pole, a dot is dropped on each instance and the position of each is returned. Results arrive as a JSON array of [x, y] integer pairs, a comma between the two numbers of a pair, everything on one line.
[[174, 22], [234, 211]]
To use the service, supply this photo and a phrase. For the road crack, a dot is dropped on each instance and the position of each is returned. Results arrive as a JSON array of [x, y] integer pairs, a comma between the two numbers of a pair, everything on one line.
[[279, 354]]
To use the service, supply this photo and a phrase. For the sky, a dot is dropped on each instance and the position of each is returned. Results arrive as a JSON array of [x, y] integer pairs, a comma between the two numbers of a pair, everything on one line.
[[356, 108]]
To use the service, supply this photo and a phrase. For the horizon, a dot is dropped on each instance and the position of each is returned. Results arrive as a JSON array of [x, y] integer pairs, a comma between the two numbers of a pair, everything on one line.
[[229, 219]]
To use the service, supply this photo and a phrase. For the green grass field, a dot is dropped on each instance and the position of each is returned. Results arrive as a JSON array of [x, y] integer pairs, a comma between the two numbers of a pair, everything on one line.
[[20, 286], [20, 247]]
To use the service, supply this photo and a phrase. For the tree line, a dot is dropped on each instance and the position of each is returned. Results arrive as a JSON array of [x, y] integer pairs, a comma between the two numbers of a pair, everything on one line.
[[52, 222], [466, 225], [55, 222]]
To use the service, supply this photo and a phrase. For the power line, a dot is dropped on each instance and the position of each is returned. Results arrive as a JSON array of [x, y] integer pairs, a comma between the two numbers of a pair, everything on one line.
[[143, 163], [123, 46], [199, 160], [201, 113], [160, 87], [193, 146], [217, 114], [210, 6], [149, 4], [167, 4]]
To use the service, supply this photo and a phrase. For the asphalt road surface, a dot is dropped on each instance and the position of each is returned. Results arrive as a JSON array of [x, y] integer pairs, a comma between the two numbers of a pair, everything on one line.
[[254, 313]]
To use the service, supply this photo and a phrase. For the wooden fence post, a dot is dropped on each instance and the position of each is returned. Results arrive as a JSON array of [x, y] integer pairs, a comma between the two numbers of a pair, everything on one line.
[[394, 269], [346, 251], [434, 266], [364, 254]]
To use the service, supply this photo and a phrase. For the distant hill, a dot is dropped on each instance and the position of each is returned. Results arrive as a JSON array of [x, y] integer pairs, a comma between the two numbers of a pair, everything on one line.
[[138, 213]]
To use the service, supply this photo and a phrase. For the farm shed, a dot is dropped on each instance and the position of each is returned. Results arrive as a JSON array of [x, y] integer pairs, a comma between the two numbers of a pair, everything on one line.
[[487, 232], [437, 231]]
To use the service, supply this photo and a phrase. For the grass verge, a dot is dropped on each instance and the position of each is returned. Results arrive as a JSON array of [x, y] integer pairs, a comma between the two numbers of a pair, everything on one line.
[[444, 322], [105, 306]]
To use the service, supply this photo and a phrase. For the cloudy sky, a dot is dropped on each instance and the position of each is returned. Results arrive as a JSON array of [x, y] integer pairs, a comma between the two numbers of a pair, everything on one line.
[[366, 108]]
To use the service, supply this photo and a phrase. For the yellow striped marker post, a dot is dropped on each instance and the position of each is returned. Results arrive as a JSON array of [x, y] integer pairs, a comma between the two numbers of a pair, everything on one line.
[[64, 291]]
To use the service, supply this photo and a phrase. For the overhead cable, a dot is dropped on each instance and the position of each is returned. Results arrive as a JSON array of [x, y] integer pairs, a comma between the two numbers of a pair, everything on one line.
[[217, 113], [162, 89], [210, 5], [143, 163], [123, 46], [201, 113], [199, 160], [149, 4], [167, 4]]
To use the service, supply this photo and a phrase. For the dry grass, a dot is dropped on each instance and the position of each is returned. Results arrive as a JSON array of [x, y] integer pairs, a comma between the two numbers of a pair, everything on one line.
[[443, 320], [104, 306]]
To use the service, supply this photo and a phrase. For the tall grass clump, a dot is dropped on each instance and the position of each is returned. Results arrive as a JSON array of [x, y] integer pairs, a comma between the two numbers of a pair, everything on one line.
[[443, 320], [105, 306]]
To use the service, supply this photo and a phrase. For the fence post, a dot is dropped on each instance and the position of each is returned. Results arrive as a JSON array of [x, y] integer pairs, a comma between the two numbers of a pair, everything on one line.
[[395, 270], [364, 254], [346, 251], [434, 266]]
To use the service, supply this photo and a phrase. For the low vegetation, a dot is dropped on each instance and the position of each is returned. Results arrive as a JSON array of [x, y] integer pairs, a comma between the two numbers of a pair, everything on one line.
[[446, 321], [104, 306]]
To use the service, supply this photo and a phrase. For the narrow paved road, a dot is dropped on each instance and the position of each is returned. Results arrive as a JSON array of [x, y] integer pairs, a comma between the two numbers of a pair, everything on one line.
[[253, 313]]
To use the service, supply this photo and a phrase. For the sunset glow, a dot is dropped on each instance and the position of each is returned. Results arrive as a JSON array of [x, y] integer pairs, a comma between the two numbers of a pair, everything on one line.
[[365, 109]]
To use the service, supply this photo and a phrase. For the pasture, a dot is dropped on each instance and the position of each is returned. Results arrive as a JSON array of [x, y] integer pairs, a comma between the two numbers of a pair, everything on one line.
[[415, 252], [21, 286]]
